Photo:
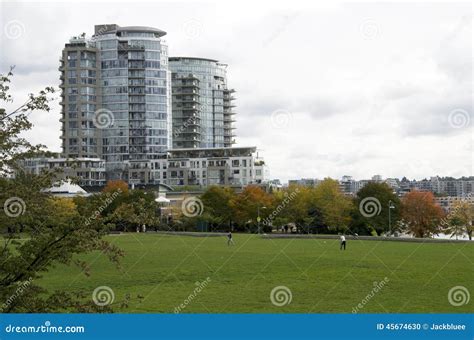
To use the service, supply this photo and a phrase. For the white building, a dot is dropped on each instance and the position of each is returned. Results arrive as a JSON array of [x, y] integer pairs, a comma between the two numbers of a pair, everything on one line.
[[237, 166], [89, 171]]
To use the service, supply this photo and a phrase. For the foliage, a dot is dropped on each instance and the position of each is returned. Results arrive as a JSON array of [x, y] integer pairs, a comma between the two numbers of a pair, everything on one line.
[[460, 219], [421, 215], [383, 195], [14, 148], [116, 185], [334, 206], [218, 206], [253, 202], [40, 231]]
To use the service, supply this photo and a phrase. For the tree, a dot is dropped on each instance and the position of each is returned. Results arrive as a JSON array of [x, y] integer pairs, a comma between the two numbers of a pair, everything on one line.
[[217, 205], [460, 219], [53, 231], [371, 207], [116, 185], [134, 210], [296, 204], [13, 147], [250, 203], [334, 206], [421, 215]]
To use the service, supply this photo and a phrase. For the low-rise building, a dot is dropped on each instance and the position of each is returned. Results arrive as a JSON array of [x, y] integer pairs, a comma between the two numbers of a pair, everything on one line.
[[307, 182], [236, 166], [88, 171], [447, 202]]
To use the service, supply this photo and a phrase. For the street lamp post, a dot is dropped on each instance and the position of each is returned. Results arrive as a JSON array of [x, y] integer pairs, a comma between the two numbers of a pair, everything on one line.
[[390, 207], [258, 217]]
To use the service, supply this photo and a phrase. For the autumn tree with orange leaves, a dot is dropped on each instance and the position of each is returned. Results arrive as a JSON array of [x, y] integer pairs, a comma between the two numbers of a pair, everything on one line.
[[249, 203], [421, 214]]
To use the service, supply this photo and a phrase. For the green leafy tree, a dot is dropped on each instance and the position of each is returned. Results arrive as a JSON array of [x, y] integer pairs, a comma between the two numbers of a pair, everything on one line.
[[334, 206], [52, 231], [371, 208], [135, 209], [217, 206], [14, 148]]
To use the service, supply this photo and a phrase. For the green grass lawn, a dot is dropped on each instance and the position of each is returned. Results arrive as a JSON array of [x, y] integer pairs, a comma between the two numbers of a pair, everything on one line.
[[164, 269]]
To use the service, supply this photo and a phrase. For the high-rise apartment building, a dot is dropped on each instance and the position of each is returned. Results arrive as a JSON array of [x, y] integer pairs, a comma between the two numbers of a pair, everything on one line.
[[116, 101], [202, 104], [129, 112]]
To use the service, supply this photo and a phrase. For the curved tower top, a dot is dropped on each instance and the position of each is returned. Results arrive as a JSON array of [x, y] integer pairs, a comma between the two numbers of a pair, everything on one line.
[[122, 31]]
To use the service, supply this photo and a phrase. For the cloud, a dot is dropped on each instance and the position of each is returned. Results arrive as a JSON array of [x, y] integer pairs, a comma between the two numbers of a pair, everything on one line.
[[358, 103]]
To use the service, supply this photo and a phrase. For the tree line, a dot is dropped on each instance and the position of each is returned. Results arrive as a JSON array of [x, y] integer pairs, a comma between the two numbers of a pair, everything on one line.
[[324, 209]]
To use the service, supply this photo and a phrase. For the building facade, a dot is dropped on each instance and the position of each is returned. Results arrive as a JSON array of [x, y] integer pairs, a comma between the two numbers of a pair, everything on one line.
[[116, 100], [90, 172], [235, 167], [130, 112], [214, 166], [201, 104]]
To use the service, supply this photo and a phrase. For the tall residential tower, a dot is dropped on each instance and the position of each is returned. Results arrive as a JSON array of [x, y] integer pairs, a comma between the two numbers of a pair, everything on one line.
[[202, 104], [129, 112], [116, 100]]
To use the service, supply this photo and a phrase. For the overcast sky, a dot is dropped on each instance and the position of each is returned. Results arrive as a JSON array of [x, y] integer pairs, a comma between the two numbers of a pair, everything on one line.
[[341, 89]]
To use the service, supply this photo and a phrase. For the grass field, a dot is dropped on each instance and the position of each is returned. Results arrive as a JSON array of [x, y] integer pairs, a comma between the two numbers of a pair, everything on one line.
[[164, 269]]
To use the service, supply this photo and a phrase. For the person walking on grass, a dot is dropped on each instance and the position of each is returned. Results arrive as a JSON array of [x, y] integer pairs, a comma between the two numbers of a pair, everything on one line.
[[230, 240], [343, 242]]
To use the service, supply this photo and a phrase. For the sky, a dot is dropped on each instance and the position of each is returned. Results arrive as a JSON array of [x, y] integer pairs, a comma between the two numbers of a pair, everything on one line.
[[323, 89]]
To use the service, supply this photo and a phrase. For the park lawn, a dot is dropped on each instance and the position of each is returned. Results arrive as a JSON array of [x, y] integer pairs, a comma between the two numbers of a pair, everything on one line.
[[165, 270]]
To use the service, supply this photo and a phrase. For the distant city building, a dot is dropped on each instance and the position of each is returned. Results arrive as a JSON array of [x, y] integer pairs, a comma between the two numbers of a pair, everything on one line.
[[202, 103], [377, 178], [394, 183], [446, 186], [350, 186], [447, 202], [274, 184], [307, 182]]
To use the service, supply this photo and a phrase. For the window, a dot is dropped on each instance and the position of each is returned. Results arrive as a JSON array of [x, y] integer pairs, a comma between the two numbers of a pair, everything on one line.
[[72, 55]]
